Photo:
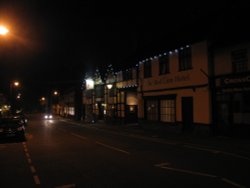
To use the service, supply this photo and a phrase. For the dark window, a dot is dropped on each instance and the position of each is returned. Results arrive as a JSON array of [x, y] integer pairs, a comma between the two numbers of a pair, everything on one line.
[[147, 69], [185, 59], [89, 93], [127, 75], [246, 102], [112, 92], [99, 91], [164, 65], [239, 60]]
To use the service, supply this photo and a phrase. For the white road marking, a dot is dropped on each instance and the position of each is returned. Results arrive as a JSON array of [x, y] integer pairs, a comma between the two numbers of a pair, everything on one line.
[[236, 155], [29, 161], [217, 152], [33, 170], [27, 154], [66, 186], [202, 149], [156, 140], [113, 148], [162, 164], [232, 183], [165, 166], [186, 171], [79, 136], [36, 179]]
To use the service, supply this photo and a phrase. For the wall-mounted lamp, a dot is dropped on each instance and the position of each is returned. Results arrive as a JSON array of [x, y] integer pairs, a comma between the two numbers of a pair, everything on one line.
[[109, 86], [89, 83]]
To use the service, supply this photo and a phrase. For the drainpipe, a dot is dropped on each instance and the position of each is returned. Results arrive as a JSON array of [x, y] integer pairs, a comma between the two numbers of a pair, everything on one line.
[[212, 88]]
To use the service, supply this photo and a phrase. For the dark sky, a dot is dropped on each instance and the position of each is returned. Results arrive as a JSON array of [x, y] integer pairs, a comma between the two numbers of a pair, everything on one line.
[[52, 43]]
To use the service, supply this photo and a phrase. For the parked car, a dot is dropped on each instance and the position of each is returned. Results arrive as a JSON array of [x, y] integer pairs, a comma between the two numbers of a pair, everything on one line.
[[22, 116], [12, 125]]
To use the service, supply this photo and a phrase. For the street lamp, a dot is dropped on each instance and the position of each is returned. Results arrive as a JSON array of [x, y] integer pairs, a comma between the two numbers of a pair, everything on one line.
[[109, 86], [16, 83], [13, 84], [55, 93], [3, 30]]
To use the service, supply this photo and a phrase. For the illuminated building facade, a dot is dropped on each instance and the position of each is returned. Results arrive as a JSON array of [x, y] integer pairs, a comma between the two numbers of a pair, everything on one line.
[[127, 101], [174, 89], [202, 87]]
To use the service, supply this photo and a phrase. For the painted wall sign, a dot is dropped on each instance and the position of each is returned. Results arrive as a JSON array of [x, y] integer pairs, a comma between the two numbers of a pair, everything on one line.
[[235, 80], [168, 80]]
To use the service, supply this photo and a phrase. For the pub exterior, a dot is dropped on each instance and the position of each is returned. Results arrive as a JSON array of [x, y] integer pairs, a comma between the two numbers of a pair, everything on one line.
[[127, 101], [201, 88], [174, 89]]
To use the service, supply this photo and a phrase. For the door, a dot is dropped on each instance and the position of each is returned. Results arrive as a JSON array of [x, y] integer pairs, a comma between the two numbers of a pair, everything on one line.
[[131, 114], [100, 111], [187, 113]]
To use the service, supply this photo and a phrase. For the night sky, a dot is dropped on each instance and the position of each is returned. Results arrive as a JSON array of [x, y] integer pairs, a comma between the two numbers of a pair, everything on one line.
[[53, 43]]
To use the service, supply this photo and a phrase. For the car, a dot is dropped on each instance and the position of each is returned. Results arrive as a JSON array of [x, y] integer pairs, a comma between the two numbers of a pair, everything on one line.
[[48, 116], [12, 126], [22, 116]]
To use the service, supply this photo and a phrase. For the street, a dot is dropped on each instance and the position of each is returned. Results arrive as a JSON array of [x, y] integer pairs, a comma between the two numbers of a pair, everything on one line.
[[62, 153]]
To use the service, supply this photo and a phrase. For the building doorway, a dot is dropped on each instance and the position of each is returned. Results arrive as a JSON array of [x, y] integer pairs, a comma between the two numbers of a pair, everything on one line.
[[187, 113]]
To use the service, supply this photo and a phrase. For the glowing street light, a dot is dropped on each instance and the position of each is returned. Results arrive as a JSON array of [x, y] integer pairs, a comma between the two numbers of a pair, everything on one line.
[[109, 86], [14, 95], [16, 83], [3, 30], [55, 93]]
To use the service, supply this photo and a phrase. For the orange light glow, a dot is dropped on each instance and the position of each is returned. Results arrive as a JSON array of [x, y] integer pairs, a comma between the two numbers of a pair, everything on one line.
[[3, 30], [16, 84]]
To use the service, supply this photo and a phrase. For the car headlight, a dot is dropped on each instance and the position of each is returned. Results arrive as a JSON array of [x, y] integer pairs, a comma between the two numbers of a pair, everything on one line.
[[46, 117]]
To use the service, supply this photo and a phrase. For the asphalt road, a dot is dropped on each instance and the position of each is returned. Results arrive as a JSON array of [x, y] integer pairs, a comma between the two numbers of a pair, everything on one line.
[[64, 154]]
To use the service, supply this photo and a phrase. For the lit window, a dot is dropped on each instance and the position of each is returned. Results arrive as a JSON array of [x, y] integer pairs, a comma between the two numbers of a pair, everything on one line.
[[167, 110]]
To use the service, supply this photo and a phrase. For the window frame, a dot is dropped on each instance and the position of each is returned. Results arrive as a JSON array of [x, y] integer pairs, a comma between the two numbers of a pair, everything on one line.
[[239, 60], [185, 59], [164, 65], [147, 73]]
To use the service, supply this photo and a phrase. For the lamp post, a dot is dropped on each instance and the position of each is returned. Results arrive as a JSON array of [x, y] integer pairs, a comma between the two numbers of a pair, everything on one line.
[[43, 104], [13, 97], [54, 102], [90, 84], [51, 101]]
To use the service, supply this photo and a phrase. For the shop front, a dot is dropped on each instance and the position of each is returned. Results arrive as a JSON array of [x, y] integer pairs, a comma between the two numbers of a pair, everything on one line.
[[233, 103]]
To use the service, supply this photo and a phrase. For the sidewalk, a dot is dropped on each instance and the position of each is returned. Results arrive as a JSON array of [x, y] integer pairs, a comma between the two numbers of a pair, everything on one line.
[[230, 144]]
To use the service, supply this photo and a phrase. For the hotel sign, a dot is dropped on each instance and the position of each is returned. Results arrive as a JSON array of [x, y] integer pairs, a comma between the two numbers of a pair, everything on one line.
[[168, 80]]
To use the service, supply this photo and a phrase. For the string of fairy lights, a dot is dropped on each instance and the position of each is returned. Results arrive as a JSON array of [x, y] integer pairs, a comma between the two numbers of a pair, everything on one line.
[[111, 76]]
